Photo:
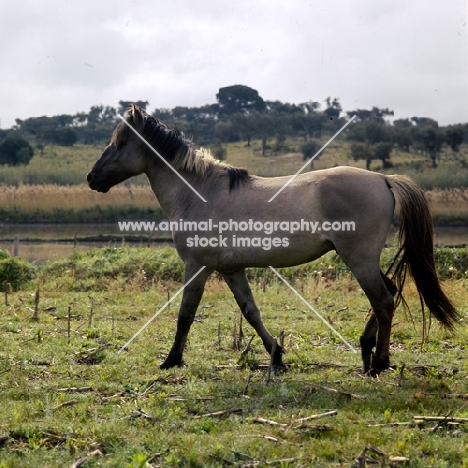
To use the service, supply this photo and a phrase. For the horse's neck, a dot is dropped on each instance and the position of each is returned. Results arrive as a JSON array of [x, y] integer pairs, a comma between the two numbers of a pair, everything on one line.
[[174, 196]]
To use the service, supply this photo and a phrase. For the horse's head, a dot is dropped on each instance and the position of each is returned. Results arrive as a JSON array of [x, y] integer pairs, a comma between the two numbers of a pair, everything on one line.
[[123, 157]]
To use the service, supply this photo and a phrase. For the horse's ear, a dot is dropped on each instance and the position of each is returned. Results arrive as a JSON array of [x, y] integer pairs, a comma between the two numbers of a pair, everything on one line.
[[137, 116]]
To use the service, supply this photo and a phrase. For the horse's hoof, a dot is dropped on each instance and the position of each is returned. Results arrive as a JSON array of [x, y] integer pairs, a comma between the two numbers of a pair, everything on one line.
[[278, 369], [171, 362], [372, 372], [377, 367]]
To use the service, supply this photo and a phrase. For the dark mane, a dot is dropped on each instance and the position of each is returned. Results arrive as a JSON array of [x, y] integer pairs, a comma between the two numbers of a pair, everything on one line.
[[175, 146], [170, 141]]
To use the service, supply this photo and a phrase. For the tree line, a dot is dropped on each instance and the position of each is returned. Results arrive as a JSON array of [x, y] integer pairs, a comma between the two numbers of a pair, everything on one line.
[[241, 114]]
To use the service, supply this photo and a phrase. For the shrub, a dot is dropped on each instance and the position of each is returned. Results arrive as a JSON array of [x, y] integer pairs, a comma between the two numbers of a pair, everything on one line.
[[15, 271]]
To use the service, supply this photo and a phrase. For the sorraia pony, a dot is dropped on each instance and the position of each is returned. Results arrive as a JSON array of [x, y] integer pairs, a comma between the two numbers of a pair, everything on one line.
[[334, 195]]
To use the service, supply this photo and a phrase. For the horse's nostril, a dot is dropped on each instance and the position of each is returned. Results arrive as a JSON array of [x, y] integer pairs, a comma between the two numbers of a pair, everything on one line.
[[89, 177]]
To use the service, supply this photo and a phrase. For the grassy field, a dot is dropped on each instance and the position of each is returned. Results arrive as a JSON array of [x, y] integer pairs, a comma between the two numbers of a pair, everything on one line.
[[69, 398], [52, 186]]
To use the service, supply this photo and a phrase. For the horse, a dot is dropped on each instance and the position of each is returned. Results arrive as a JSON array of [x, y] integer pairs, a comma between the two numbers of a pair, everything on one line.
[[194, 189]]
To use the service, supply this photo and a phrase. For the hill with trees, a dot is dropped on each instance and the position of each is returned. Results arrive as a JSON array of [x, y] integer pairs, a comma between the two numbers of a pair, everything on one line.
[[241, 114]]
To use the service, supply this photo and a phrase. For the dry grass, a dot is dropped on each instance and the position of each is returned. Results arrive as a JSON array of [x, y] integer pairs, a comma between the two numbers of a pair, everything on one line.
[[449, 203], [75, 197], [445, 203]]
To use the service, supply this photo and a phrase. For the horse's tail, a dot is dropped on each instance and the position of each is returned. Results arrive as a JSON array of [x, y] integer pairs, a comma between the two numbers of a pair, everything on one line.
[[416, 241]]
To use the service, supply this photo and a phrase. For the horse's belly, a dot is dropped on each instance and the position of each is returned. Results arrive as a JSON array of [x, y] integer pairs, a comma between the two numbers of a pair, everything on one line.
[[277, 251]]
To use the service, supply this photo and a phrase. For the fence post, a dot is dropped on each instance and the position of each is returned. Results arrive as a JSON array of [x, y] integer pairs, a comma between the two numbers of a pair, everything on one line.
[[16, 245], [6, 290]]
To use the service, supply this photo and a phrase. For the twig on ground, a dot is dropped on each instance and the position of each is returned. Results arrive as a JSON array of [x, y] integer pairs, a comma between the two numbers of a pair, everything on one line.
[[4, 371], [393, 424], [245, 351], [217, 413], [295, 424], [81, 461], [400, 375], [449, 395], [66, 403], [75, 389], [36, 304], [246, 386], [362, 457], [272, 358], [440, 418], [340, 392], [269, 422], [316, 416], [139, 413]]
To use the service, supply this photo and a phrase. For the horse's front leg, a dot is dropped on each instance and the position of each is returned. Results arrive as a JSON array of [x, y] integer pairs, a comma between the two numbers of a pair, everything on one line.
[[240, 287], [191, 297]]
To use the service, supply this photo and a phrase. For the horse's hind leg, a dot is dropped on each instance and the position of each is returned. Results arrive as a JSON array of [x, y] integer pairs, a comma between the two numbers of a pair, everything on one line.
[[368, 341], [191, 297], [379, 325], [368, 338], [240, 287]]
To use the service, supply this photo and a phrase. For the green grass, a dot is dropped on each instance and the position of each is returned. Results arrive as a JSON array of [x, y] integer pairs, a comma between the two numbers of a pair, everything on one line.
[[69, 394], [58, 165], [69, 165]]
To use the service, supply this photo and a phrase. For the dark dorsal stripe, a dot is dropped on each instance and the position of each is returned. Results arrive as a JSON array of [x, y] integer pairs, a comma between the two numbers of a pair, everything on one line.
[[237, 176]]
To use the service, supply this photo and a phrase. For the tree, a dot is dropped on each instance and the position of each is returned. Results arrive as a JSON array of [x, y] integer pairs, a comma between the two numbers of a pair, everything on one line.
[[370, 126], [375, 114], [454, 136], [264, 127], [307, 125], [100, 114], [239, 98], [57, 130], [225, 130], [15, 151], [244, 125], [333, 109], [219, 151], [63, 137], [431, 140], [369, 152], [309, 149], [269, 125], [382, 151], [402, 134], [361, 151], [375, 132], [424, 122]]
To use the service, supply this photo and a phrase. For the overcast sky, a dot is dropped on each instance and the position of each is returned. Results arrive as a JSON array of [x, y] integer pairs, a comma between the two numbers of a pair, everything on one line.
[[62, 57]]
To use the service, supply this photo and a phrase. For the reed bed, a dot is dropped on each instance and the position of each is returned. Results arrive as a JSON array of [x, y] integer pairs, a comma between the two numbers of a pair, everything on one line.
[[449, 204], [51, 197], [74, 202], [54, 200]]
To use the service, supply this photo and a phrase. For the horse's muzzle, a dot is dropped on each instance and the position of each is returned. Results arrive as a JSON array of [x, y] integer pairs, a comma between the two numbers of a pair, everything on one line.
[[95, 184]]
